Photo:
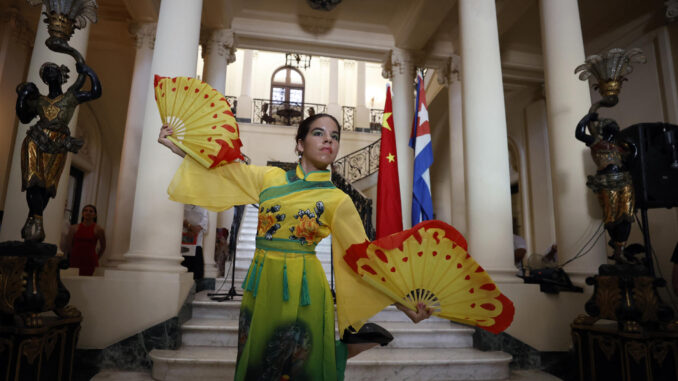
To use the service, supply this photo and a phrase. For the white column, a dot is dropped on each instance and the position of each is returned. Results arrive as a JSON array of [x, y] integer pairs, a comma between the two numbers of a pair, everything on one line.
[[333, 107], [567, 101], [451, 77], [144, 35], [16, 208], [157, 221], [245, 99], [362, 113], [400, 68], [488, 192], [543, 220], [217, 52], [15, 47]]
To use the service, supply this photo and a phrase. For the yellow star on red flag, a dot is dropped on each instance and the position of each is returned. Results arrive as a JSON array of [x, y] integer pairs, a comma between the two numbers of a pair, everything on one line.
[[384, 120], [390, 157]]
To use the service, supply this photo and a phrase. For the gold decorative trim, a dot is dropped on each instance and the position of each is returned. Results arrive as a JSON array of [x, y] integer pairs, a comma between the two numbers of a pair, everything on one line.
[[59, 26], [11, 282], [31, 349], [48, 283]]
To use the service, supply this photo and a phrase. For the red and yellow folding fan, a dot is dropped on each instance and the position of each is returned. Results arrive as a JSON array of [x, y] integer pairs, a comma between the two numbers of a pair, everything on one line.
[[430, 264], [203, 123]]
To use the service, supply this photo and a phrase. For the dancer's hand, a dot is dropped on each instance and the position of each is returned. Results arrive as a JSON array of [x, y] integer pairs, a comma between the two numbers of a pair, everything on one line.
[[165, 131], [422, 313], [163, 139]]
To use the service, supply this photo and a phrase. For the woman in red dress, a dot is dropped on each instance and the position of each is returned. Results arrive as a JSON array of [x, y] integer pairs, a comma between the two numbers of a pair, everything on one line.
[[83, 239]]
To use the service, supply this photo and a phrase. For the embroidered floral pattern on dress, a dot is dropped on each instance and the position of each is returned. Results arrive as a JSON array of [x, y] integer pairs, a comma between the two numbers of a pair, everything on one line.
[[269, 221], [306, 229], [287, 352]]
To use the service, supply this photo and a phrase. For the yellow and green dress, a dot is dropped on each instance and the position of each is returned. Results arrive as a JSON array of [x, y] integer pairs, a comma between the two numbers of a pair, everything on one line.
[[286, 327]]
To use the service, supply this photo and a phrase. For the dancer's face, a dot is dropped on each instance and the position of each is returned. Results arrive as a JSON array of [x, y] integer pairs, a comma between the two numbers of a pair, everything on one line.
[[320, 146]]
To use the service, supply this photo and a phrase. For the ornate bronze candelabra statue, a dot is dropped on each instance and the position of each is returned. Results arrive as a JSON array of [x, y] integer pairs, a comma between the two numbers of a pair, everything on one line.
[[612, 182], [43, 152], [641, 345], [34, 344]]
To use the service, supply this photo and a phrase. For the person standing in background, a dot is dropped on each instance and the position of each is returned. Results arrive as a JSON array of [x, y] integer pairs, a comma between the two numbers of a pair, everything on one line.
[[81, 242], [195, 226]]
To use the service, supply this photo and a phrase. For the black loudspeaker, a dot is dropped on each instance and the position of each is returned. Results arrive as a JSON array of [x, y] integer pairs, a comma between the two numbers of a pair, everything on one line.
[[655, 169]]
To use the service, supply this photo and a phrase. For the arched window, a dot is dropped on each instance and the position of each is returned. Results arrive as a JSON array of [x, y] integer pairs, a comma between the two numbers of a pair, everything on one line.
[[287, 86], [287, 95]]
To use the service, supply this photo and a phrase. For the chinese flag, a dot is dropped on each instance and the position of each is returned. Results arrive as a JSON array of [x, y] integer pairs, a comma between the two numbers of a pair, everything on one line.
[[389, 213]]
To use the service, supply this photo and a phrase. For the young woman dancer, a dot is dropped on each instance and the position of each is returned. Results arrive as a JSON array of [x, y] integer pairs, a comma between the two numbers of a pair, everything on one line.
[[286, 328]]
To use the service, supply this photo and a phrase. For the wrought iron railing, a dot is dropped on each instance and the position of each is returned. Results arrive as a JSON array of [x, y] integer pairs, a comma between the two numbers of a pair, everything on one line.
[[233, 101], [347, 118], [283, 113], [362, 203], [359, 164], [375, 119]]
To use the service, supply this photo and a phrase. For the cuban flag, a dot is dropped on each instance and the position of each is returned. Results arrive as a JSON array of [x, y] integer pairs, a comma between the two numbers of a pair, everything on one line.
[[420, 141]]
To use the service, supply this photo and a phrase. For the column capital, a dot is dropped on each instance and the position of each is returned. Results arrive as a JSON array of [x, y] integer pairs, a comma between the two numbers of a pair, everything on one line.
[[143, 34], [220, 42], [18, 26], [404, 61], [450, 71], [386, 66], [398, 61]]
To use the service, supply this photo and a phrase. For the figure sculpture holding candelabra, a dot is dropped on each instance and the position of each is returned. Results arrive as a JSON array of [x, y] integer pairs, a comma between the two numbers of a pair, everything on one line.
[[43, 152], [612, 182], [30, 278]]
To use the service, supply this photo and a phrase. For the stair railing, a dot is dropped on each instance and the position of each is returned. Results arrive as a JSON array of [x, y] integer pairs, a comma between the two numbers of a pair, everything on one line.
[[359, 164]]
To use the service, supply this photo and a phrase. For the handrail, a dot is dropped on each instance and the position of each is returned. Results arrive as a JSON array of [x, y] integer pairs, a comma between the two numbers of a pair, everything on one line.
[[360, 163]]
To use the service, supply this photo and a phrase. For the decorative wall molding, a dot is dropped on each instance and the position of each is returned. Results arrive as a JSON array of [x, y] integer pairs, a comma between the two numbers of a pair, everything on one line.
[[143, 34], [316, 25]]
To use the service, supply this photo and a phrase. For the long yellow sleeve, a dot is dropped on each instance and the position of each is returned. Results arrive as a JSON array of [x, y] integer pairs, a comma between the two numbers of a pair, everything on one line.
[[357, 301], [219, 188]]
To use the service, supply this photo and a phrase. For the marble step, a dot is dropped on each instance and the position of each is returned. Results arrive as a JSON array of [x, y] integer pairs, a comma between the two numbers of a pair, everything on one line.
[[210, 333], [204, 307], [215, 363], [194, 363], [428, 364], [217, 332]]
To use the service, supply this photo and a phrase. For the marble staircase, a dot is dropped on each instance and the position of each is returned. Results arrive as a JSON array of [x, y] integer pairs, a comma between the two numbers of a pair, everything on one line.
[[432, 350]]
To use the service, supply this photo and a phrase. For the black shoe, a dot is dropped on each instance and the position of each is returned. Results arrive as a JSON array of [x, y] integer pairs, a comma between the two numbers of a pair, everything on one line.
[[368, 333]]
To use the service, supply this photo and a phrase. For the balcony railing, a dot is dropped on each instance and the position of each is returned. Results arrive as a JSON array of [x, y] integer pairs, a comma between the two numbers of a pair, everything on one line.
[[347, 118], [348, 121], [283, 113], [291, 114], [359, 164], [233, 101], [375, 119]]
